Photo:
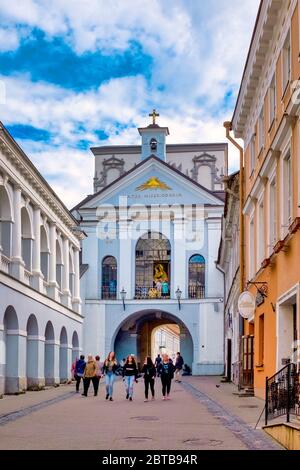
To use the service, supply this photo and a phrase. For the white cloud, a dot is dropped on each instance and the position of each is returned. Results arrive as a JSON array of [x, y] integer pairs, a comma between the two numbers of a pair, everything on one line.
[[9, 39], [198, 50]]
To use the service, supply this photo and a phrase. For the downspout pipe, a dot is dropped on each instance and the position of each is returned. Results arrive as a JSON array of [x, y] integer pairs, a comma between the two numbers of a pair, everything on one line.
[[228, 127]]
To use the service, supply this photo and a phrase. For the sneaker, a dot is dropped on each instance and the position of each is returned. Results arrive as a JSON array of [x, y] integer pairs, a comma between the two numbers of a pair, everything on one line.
[[168, 398], [83, 395], [146, 399], [163, 398], [130, 398], [107, 396], [127, 396], [111, 399], [153, 398]]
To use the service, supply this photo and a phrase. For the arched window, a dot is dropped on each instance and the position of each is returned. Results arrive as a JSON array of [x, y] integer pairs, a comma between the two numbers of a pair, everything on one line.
[[109, 278], [59, 265], [5, 222], [27, 238], [196, 277], [152, 266]]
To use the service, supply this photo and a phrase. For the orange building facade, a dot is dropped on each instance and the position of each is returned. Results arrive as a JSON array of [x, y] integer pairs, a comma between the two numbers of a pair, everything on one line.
[[266, 117]]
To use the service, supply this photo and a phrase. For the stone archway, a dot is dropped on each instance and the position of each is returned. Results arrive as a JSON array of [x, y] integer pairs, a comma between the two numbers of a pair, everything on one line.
[[11, 351], [63, 356], [32, 352], [49, 356], [134, 335]]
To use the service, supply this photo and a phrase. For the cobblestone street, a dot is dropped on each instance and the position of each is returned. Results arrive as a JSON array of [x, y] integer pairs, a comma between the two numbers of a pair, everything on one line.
[[200, 415]]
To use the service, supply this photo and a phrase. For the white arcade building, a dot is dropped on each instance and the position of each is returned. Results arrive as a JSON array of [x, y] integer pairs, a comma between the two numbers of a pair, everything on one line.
[[40, 306], [153, 229]]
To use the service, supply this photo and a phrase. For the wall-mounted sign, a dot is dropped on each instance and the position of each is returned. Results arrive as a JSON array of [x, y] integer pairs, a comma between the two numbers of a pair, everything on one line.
[[246, 304], [153, 183], [260, 298]]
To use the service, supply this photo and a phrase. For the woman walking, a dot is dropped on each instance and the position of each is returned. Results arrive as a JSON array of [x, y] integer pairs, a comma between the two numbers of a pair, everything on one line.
[[149, 372], [130, 373], [79, 371], [166, 372], [89, 375], [110, 368]]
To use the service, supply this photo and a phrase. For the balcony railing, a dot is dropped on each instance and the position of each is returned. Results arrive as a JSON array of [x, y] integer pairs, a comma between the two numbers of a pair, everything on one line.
[[145, 292], [196, 292], [27, 277], [4, 263]]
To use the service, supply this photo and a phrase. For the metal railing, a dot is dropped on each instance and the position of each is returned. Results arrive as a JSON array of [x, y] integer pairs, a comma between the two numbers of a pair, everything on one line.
[[146, 292], [196, 292], [283, 394]]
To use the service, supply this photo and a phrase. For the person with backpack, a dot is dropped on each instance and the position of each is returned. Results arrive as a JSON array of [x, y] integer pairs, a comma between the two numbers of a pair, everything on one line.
[[79, 371], [149, 372], [166, 372], [178, 367], [130, 374]]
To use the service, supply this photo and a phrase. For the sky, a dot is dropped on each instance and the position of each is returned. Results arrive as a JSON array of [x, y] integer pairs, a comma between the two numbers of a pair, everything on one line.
[[81, 73]]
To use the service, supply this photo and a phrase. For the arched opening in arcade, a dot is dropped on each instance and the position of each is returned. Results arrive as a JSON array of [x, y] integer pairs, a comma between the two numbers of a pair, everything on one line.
[[152, 332]]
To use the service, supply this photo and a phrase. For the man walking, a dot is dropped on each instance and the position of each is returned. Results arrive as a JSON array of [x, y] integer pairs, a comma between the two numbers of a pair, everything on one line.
[[178, 367]]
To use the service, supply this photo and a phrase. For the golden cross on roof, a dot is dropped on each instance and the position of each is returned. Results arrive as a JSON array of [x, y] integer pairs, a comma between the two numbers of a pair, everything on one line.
[[154, 115]]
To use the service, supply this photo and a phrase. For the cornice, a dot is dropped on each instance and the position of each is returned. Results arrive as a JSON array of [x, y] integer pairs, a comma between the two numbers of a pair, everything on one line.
[[170, 148], [264, 50], [34, 179]]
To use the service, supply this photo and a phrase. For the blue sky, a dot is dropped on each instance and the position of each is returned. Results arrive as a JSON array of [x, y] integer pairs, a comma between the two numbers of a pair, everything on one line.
[[80, 73]]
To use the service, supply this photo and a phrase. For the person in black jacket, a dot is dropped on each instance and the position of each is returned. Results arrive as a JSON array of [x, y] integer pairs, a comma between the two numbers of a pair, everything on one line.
[[166, 372], [109, 369], [178, 367], [130, 374], [149, 372]]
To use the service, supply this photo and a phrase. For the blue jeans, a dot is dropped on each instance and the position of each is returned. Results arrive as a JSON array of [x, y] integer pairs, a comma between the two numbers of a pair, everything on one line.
[[109, 382], [129, 381]]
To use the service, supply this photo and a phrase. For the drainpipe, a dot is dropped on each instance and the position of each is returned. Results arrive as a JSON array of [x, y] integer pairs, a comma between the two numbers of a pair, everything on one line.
[[228, 127]]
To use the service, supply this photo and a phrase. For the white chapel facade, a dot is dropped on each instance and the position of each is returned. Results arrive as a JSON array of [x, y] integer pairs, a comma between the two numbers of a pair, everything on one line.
[[153, 228]]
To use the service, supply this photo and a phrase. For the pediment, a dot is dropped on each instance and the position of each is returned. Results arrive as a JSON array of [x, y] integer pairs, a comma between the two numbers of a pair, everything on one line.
[[153, 182]]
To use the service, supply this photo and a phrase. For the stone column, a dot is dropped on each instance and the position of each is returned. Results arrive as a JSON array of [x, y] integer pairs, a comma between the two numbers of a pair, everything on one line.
[[178, 256], [36, 261], [65, 362], [125, 261], [15, 360], [53, 286], [76, 301], [52, 362], [35, 361], [17, 263], [66, 297]]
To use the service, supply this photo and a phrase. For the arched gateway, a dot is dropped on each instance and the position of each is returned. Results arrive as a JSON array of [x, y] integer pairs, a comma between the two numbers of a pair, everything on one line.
[[135, 335]]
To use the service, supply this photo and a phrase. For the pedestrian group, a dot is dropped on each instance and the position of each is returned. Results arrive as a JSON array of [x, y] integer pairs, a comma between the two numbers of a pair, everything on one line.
[[92, 371]]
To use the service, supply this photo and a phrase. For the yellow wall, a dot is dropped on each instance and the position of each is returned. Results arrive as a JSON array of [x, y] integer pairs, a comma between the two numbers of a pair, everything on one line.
[[284, 271]]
